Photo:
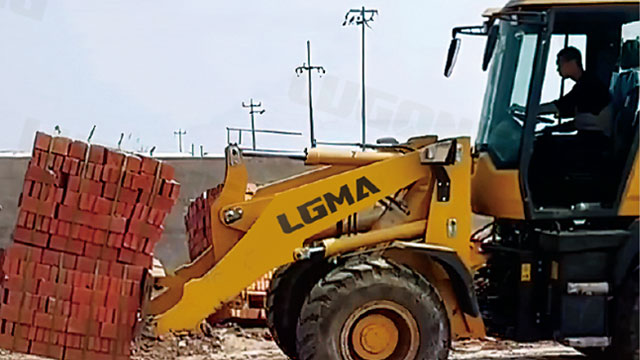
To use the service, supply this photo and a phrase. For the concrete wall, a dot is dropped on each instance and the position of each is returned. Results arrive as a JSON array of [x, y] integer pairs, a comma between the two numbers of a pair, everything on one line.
[[195, 175]]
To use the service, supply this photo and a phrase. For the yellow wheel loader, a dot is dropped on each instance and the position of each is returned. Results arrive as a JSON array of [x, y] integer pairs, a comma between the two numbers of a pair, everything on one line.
[[375, 252]]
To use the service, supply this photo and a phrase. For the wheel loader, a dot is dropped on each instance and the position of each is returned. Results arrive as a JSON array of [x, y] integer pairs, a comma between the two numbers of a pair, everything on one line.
[[375, 251]]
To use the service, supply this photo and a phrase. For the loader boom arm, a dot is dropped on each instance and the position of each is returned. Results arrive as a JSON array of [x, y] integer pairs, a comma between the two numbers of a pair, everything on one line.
[[283, 222]]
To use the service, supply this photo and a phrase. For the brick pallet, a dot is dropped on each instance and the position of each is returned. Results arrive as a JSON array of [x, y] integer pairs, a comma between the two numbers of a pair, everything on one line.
[[198, 222], [88, 220]]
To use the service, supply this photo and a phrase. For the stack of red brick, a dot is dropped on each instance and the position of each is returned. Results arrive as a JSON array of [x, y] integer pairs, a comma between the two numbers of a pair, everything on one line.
[[88, 221], [198, 222]]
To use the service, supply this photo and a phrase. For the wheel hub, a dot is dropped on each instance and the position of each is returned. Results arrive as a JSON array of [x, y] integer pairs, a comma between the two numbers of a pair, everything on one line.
[[375, 337], [380, 330]]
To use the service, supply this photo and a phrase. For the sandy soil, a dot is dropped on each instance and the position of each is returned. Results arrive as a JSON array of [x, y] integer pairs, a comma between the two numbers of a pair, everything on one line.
[[235, 343]]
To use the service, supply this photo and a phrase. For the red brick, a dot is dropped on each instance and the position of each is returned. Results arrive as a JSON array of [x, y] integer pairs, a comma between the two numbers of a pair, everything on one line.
[[72, 341], [83, 327], [157, 217], [60, 308], [42, 141], [97, 154], [42, 272], [115, 240], [148, 247], [98, 252], [16, 283], [40, 175], [127, 180], [71, 199], [30, 221], [82, 312], [59, 195], [133, 163], [86, 264], [82, 185], [111, 174], [91, 187], [97, 172], [89, 170], [114, 331], [131, 241], [21, 315], [61, 145], [70, 166], [43, 349], [142, 181], [167, 171], [148, 165], [58, 161], [12, 297], [39, 207], [78, 150], [128, 196], [141, 228], [54, 258], [57, 290], [102, 206], [31, 237], [163, 203], [86, 234], [125, 256], [39, 334], [115, 158], [87, 201], [7, 341], [66, 244], [116, 270]]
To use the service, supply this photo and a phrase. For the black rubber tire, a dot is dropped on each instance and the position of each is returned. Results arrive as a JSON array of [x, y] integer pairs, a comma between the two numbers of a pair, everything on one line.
[[626, 333], [362, 280], [289, 287]]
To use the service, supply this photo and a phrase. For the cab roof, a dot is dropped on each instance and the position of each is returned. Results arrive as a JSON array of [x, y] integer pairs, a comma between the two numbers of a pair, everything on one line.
[[556, 3]]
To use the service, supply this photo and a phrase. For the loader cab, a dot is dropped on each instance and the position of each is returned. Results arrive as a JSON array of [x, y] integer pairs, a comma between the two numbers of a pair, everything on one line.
[[524, 171]]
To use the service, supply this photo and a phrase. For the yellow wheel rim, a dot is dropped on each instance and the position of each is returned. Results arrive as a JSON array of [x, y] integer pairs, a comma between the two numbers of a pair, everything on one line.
[[380, 330], [375, 337]]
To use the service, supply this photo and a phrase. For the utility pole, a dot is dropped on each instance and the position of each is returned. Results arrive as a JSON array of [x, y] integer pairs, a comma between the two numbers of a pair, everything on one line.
[[361, 17], [251, 107], [310, 68], [180, 132]]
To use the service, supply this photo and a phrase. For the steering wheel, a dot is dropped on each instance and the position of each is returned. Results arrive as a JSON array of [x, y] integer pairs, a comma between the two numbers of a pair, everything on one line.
[[519, 114]]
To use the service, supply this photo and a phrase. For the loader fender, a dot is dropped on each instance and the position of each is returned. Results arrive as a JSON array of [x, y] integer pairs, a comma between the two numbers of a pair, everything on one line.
[[461, 278]]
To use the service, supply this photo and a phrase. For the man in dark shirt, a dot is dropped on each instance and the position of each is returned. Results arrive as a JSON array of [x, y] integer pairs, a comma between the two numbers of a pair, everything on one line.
[[585, 153], [586, 102]]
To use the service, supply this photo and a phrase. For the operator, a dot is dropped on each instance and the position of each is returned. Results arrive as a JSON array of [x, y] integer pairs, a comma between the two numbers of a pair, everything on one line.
[[586, 102]]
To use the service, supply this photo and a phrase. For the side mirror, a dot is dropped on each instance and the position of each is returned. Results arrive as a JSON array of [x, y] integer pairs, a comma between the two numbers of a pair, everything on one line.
[[492, 39], [452, 56]]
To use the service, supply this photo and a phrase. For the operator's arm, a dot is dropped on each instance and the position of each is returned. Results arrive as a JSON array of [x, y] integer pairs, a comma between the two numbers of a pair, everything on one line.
[[568, 126], [548, 108]]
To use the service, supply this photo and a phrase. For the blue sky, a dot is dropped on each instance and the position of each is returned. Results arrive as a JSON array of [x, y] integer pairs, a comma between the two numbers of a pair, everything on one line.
[[149, 67]]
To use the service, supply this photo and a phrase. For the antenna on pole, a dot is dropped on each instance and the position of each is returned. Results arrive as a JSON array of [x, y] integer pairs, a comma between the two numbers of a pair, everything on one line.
[[251, 108], [93, 129], [309, 68], [180, 132], [120, 141], [361, 17]]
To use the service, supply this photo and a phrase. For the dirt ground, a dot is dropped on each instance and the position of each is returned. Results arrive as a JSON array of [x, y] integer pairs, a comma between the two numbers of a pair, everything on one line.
[[236, 343]]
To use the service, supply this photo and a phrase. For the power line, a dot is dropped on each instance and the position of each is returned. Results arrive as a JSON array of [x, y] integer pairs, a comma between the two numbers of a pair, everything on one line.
[[251, 107], [309, 68], [180, 133], [361, 17]]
